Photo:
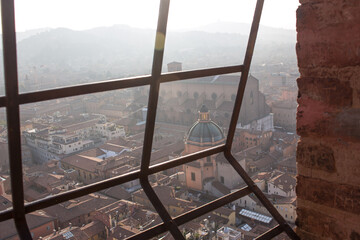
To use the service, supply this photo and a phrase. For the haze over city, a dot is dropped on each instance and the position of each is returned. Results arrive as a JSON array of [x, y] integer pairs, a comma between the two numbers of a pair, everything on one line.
[[184, 14], [69, 143]]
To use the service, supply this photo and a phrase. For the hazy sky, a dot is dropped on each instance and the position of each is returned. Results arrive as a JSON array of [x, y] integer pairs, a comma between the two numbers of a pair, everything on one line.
[[184, 14]]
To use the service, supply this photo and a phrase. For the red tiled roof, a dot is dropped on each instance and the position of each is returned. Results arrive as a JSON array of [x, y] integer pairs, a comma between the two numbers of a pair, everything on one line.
[[34, 220], [284, 181], [83, 162], [117, 192], [166, 195], [220, 187], [77, 207], [95, 152], [93, 228], [122, 232], [112, 147]]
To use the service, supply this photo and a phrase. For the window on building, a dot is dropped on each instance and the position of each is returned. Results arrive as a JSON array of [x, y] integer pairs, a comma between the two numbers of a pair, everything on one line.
[[222, 179], [193, 176]]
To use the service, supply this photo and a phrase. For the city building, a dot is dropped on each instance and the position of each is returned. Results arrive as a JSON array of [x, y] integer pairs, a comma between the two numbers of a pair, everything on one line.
[[227, 233], [203, 134], [218, 94], [91, 231], [282, 185], [226, 174], [174, 205], [285, 114], [40, 224], [70, 135]]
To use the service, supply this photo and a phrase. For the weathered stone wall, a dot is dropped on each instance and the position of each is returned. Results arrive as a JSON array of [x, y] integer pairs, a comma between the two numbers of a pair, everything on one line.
[[328, 119]]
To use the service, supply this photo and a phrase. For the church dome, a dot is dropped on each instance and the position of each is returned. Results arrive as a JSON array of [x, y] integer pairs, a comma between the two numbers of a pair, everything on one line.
[[205, 132]]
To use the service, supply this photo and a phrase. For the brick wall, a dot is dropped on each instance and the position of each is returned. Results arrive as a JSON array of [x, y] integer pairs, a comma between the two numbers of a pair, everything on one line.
[[328, 119]]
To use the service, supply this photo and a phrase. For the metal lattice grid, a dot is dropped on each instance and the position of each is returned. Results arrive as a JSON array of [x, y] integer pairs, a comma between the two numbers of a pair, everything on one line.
[[12, 101]]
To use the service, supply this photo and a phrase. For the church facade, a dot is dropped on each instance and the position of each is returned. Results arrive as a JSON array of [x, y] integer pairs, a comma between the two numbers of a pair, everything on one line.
[[218, 93]]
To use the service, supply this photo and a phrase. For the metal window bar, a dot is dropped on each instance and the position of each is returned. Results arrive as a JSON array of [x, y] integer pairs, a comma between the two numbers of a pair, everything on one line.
[[12, 101]]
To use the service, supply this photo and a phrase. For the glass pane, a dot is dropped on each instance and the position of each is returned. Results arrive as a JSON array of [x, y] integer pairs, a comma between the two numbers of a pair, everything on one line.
[[2, 86], [232, 221], [193, 115], [109, 40], [212, 33], [275, 44], [109, 214], [254, 219], [5, 186], [227, 221], [275, 65], [166, 235], [188, 186], [72, 142]]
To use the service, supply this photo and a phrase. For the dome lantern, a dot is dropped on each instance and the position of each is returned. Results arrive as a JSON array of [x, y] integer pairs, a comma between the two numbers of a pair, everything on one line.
[[205, 132], [204, 114]]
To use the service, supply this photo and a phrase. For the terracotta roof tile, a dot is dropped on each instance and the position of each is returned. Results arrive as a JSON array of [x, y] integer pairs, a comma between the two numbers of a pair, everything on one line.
[[83, 162], [93, 228], [284, 181], [220, 187], [34, 220]]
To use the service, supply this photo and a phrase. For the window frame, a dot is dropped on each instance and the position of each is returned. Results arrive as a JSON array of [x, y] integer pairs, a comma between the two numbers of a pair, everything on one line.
[[12, 101]]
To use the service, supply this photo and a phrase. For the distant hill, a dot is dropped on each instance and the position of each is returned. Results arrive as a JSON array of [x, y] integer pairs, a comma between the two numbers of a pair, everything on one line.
[[95, 48], [265, 33], [108, 52], [26, 34]]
